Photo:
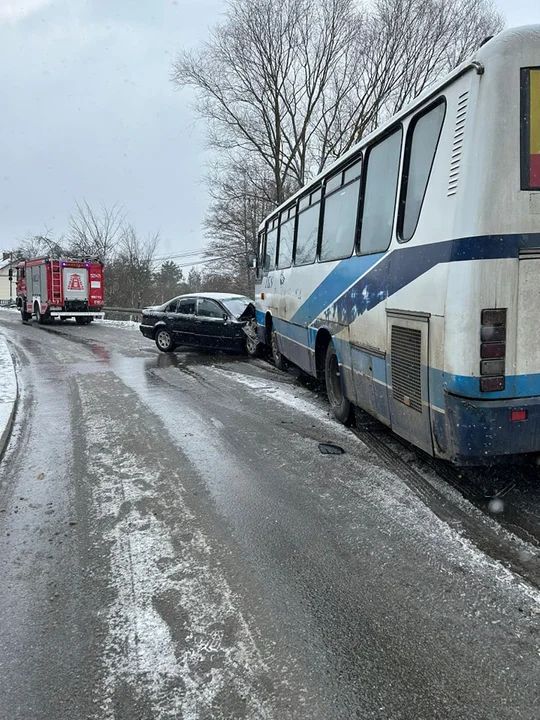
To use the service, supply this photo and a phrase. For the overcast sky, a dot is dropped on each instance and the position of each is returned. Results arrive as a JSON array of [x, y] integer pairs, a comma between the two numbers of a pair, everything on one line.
[[87, 111]]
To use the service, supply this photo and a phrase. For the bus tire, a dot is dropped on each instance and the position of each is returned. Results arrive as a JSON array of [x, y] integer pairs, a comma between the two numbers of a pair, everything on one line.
[[279, 361], [342, 408]]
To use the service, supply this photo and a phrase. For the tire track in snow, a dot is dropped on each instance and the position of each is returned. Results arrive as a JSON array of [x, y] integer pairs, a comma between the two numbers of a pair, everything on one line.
[[206, 658]]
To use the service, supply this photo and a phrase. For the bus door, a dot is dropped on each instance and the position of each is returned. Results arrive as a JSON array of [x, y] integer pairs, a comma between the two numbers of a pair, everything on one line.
[[408, 377]]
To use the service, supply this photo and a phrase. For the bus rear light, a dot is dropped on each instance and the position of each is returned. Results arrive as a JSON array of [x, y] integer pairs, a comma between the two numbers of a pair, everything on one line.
[[493, 333], [491, 384], [518, 415], [492, 367], [492, 350], [494, 317]]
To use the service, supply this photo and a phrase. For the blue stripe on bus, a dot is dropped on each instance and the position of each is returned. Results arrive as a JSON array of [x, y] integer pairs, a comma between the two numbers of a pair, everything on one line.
[[341, 299], [516, 386], [335, 283]]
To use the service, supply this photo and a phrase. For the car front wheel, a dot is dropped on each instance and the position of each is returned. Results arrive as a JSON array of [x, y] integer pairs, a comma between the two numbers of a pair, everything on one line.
[[164, 340], [253, 346]]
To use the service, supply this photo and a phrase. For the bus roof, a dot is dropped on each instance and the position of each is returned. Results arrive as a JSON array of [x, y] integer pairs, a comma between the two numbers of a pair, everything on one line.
[[484, 55]]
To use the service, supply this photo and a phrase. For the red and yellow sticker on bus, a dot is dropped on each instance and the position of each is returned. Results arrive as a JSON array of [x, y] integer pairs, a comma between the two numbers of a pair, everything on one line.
[[534, 128]]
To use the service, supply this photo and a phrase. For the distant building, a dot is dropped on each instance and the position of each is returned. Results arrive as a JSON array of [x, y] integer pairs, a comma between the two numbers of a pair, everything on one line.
[[5, 265]]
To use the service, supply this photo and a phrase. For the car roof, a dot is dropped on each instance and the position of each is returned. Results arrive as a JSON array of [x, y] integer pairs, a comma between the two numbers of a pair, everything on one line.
[[213, 296]]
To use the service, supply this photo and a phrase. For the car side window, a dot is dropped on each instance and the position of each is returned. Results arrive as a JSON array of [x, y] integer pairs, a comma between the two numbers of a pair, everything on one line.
[[209, 309], [186, 307], [171, 307]]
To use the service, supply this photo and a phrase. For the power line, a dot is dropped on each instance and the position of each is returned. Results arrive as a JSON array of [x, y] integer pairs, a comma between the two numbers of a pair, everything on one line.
[[212, 259], [184, 254]]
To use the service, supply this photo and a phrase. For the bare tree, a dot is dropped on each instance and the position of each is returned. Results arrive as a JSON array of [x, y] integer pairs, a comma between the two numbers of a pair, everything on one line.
[[32, 246], [261, 76], [93, 233], [405, 46], [132, 271], [293, 83], [237, 207]]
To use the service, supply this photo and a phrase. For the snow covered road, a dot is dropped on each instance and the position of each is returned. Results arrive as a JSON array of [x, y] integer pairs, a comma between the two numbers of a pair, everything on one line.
[[174, 545]]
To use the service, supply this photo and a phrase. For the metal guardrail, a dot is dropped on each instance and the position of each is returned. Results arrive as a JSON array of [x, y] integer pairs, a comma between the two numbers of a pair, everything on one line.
[[118, 310], [127, 311]]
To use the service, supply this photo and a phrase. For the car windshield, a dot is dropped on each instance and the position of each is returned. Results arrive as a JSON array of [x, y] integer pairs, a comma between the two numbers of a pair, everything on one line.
[[236, 305]]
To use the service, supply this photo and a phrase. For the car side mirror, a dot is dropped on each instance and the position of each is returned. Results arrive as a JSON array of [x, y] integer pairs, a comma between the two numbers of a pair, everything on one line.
[[225, 317]]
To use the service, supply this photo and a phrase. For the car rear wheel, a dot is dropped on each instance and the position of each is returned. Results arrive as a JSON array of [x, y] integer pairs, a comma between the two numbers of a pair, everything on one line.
[[279, 361], [164, 340], [340, 406]]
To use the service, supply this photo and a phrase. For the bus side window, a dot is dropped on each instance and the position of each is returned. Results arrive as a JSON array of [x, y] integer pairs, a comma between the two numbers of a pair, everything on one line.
[[307, 234], [420, 148], [380, 194], [270, 250], [340, 215], [286, 238], [260, 250]]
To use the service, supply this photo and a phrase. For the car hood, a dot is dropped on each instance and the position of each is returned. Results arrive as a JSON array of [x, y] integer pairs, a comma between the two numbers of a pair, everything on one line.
[[249, 313]]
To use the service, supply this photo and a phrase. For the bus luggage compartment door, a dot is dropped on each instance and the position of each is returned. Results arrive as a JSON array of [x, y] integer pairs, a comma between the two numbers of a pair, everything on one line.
[[407, 371], [527, 350]]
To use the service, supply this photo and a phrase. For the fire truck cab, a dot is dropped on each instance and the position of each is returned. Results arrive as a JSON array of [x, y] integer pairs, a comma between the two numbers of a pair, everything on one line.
[[62, 288]]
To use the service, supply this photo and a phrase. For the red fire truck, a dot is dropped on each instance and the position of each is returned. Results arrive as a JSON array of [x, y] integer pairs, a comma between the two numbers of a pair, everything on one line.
[[60, 288]]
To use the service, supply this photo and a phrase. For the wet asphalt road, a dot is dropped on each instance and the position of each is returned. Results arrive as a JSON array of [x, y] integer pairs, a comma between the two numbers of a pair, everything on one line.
[[174, 545]]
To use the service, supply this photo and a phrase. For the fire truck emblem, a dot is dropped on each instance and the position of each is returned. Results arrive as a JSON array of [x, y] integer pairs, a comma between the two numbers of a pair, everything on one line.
[[75, 282]]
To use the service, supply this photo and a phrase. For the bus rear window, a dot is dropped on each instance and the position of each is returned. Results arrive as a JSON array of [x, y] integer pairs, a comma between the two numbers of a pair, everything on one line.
[[530, 129]]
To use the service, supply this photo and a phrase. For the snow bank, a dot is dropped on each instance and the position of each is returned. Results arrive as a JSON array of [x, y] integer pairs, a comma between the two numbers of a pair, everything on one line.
[[8, 391], [127, 324]]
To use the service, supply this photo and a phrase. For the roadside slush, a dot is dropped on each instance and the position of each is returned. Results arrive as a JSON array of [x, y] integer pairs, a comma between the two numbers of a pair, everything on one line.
[[8, 394]]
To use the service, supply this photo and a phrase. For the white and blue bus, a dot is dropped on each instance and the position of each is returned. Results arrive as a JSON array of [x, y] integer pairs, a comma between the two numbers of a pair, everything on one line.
[[407, 275]]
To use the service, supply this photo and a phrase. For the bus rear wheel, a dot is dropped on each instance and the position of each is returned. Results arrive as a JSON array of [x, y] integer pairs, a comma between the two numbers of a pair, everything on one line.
[[340, 406], [279, 361]]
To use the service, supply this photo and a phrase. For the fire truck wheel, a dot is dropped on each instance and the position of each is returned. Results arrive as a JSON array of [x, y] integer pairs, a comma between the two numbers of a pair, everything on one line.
[[40, 317], [25, 315], [164, 340]]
